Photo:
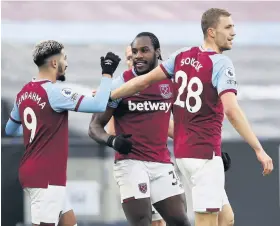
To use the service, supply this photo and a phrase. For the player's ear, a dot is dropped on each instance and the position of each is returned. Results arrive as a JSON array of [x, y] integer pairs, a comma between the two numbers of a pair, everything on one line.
[[54, 63], [158, 53], [211, 32]]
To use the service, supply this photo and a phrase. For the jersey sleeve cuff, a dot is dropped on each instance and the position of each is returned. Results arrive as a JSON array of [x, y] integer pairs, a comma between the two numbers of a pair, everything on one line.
[[165, 71], [15, 121], [228, 90], [79, 102]]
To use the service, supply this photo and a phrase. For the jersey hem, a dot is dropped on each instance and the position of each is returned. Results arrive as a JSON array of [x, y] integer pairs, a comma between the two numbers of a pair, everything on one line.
[[227, 91]]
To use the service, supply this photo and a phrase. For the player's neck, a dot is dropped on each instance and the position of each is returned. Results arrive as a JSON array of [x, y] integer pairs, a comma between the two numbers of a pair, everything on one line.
[[46, 75], [209, 45]]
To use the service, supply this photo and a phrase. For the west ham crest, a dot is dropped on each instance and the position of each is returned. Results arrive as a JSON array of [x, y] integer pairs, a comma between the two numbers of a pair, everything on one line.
[[165, 91], [143, 187]]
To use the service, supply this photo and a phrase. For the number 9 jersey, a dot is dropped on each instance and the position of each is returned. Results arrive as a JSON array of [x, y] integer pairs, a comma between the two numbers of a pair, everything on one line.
[[39, 107], [199, 77]]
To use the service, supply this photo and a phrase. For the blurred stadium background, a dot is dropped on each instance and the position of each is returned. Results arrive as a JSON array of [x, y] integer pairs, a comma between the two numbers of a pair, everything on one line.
[[89, 30]]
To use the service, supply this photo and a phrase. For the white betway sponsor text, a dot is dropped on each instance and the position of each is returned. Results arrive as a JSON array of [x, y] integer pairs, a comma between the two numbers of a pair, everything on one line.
[[149, 106]]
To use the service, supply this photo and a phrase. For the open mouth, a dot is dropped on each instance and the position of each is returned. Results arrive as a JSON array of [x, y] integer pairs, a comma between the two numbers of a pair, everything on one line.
[[140, 63]]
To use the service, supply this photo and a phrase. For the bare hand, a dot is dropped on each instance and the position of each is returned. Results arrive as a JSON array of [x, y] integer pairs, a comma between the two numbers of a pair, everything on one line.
[[266, 162]]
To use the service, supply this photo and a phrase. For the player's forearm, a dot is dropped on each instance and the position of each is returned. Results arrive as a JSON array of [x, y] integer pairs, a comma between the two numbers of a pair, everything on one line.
[[97, 133], [239, 121], [99, 102], [111, 127], [129, 88]]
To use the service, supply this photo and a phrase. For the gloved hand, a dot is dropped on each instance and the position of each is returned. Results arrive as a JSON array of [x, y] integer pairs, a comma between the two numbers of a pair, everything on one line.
[[110, 63], [120, 143], [226, 161]]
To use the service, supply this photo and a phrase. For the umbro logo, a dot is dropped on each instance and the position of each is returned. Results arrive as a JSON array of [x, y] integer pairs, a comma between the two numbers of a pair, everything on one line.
[[108, 62]]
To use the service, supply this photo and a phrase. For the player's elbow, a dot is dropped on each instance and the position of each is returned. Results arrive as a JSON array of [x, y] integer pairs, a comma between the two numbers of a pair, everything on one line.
[[8, 131], [91, 133], [10, 128]]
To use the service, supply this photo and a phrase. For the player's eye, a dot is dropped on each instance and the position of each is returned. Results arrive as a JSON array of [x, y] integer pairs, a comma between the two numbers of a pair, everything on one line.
[[145, 50]]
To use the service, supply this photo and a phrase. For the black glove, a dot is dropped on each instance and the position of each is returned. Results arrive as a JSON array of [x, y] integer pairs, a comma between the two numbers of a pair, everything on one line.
[[226, 161], [110, 63], [120, 143]]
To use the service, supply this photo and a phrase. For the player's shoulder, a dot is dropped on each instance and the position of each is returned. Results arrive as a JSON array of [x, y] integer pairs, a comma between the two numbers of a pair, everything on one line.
[[181, 50], [27, 87], [67, 90], [219, 58], [128, 74]]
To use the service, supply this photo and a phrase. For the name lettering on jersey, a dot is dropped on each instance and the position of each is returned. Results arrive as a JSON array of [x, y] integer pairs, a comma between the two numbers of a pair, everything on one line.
[[193, 62], [33, 96], [149, 106]]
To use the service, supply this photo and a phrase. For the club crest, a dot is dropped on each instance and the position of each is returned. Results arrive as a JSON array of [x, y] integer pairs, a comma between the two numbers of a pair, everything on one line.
[[165, 91], [143, 187]]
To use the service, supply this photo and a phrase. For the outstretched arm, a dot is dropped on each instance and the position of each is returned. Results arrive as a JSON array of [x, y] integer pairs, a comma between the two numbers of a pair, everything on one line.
[[139, 83], [161, 72], [62, 98]]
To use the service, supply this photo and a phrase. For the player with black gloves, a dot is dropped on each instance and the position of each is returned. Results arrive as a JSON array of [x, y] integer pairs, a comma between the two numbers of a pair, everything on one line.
[[142, 160]]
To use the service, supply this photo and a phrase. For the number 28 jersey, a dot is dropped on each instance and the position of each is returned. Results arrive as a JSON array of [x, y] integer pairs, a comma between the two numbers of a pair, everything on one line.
[[199, 77]]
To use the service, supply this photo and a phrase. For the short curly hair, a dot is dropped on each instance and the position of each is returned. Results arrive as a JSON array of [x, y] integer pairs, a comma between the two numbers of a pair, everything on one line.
[[44, 50]]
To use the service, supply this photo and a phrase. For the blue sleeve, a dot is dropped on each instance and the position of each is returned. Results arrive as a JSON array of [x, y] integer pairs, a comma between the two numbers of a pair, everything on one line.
[[169, 64], [14, 116], [223, 75], [14, 122], [63, 98], [117, 82], [13, 128]]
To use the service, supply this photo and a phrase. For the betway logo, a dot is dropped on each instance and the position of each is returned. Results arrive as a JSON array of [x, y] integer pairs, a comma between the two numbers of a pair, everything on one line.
[[149, 106]]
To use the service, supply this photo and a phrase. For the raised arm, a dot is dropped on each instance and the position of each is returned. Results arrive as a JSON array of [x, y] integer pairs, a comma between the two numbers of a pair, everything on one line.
[[62, 98], [161, 72], [139, 83]]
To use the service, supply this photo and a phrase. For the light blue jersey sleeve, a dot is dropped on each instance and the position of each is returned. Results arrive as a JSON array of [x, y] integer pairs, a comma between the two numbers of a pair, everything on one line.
[[63, 98], [223, 75], [14, 121], [117, 82], [168, 65]]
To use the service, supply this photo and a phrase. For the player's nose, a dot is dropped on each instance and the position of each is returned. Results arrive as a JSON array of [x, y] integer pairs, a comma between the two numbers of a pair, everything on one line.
[[233, 33], [139, 55]]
